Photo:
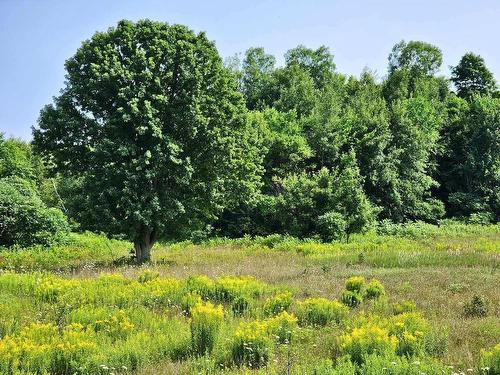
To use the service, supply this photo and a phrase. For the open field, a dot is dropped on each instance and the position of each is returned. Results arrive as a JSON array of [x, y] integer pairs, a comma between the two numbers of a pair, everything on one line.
[[103, 315]]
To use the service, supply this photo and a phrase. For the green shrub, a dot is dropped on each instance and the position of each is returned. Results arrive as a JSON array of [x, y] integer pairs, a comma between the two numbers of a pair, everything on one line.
[[355, 284], [251, 346], [367, 340], [351, 299], [278, 303], [331, 226], [320, 311], [206, 320], [490, 361], [374, 289], [477, 307], [24, 218]]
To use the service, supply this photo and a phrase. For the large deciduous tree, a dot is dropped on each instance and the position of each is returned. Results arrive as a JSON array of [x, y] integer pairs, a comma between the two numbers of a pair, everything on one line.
[[152, 126]]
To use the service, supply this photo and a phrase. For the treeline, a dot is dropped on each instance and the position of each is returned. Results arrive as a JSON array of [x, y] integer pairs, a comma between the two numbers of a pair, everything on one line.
[[341, 152], [154, 137]]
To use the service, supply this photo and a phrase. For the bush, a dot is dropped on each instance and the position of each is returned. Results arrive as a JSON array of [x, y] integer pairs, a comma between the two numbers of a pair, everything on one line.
[[331, 226], [278, 303], [374, 289], [206, 320], [24, 218], [282, 327], [367, 340], [320, 311], [355, 284], [351, 299], [477, 307], [251, 346], [490, 361]]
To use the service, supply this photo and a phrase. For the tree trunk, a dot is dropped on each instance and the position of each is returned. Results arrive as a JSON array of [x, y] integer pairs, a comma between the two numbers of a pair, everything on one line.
[[143, 245]]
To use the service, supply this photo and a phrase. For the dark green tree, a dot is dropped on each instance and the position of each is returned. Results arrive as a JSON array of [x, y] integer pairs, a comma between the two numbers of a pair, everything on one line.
[[152, 124], [470, 166], [471, 77]]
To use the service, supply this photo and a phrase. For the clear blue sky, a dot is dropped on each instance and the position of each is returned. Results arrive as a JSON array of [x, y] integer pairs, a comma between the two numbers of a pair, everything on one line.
[[37, 36]]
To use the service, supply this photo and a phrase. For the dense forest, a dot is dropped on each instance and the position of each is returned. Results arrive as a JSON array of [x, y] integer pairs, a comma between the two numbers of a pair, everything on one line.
[[154, 137]]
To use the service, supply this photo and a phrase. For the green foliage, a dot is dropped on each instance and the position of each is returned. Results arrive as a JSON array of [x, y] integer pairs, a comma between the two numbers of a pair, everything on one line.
[[158, 157], [355, 284], [206, 320], [257, 77], [375, 364], [24, 219], [403, 307], [322, 202], [320, 312], [252, 346], [476, 307], [470, 170], [278, 303], [282, 327], [471, 77], [351, 299], [374, 289], [418, 57], [490, 361], [364, 341], [410, 330]]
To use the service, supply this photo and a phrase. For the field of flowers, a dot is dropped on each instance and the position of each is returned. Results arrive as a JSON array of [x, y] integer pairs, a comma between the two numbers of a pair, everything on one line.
[[419, 302], [112, 324]]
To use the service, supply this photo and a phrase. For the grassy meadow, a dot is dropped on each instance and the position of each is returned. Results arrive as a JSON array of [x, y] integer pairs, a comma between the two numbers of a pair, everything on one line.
[[415, 299]]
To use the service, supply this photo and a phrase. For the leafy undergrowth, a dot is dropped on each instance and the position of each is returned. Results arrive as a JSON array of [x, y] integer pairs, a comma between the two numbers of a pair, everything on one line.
[[114, 324]]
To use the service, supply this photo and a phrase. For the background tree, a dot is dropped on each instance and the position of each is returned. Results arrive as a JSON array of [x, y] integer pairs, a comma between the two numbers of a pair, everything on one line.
[[318, 63], [153, 126], [25, 219], [257, 69], [471, 77], [471, 164]]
